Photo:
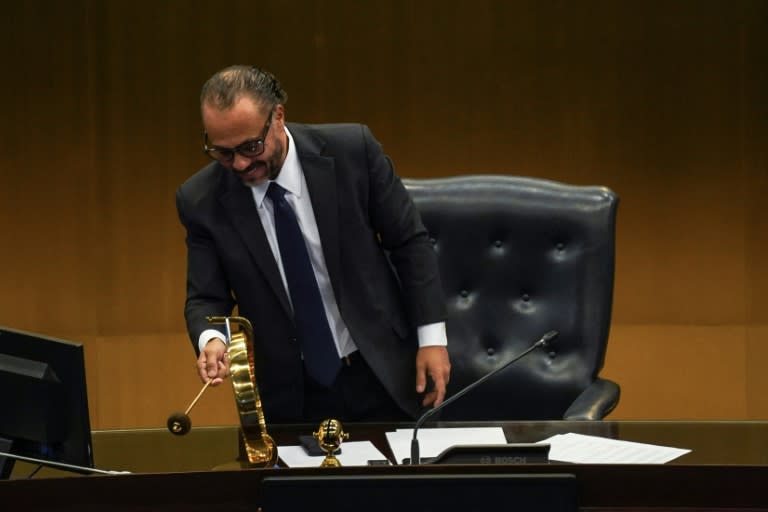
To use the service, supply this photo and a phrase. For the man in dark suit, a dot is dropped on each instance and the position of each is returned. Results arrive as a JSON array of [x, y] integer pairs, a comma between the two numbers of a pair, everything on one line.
[[360, 286]]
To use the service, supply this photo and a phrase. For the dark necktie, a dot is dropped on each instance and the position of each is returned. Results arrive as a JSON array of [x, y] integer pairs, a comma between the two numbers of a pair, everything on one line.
[[321, 358]]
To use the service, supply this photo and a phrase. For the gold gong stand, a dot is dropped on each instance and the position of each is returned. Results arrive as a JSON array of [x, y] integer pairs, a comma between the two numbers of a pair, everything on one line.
[[259, 446]]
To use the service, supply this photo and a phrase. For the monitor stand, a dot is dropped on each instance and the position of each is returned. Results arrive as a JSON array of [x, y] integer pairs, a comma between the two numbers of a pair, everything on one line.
[[6, 463]]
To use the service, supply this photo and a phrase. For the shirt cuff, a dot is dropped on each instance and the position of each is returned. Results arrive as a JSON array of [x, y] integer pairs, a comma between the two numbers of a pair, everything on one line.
[[207, 335], [432, 335]]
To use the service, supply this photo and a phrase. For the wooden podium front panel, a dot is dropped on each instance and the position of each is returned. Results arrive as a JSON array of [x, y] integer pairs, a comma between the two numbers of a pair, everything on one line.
[[153, 450], [195, 472], [601, 489]]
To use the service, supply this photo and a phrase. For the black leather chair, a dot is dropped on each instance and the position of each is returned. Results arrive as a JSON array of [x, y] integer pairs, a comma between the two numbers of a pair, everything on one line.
[[520, 257]]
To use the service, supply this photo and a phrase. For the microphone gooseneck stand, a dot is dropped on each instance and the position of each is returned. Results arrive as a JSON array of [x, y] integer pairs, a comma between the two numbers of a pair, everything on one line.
[[60, 465], [541, 342]]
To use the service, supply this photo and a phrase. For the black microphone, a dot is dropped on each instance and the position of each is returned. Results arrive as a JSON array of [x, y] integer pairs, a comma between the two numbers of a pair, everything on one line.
[[541, 342], [60, 465]]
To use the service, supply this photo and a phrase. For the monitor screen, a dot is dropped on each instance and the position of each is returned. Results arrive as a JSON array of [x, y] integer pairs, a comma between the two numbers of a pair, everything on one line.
[[444, 492], [43, 399]]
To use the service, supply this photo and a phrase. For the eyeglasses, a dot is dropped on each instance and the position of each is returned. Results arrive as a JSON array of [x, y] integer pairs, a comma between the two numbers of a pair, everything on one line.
[[251, 148]]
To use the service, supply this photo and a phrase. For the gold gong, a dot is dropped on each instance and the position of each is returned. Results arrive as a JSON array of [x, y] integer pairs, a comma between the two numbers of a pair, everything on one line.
[[259, 446]]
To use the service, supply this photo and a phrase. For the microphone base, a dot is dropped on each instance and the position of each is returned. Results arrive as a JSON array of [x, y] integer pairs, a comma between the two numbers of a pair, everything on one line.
[[497, 454]]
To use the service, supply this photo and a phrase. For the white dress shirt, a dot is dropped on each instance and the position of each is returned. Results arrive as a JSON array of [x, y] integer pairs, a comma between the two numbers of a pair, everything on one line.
[[291, 178]]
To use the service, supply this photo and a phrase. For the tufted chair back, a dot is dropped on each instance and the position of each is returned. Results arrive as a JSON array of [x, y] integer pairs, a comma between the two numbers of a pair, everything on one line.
[[520, 257]]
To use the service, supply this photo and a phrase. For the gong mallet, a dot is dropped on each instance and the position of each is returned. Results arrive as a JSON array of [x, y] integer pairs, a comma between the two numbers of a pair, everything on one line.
[[179, 423]]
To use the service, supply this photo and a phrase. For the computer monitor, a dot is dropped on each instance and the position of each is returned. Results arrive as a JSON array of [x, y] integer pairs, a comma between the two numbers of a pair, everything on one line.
[[421, 492], [43, 400]]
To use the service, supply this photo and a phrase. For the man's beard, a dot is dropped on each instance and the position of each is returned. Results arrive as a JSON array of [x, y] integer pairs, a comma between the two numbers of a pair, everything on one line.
[[273, 165]]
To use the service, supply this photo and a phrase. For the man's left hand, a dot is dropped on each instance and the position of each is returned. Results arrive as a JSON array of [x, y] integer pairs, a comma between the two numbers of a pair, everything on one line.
[[432, 361]]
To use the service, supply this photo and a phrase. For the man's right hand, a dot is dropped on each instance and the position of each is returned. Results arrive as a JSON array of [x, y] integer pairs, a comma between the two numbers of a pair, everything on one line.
[[213, 363]]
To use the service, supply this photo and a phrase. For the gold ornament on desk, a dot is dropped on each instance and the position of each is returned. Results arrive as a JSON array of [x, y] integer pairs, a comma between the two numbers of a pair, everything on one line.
[[329, 436], [259, 447]]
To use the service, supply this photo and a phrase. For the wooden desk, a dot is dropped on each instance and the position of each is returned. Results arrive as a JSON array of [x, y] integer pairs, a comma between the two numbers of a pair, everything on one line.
[[726, 470]]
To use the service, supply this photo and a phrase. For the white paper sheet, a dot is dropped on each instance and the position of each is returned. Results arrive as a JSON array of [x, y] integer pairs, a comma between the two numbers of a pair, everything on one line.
[[432, 441], [353, 453], [585, 449]]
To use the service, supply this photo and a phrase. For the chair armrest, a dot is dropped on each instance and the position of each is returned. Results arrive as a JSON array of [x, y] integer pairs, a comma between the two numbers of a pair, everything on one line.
[[595, 402]]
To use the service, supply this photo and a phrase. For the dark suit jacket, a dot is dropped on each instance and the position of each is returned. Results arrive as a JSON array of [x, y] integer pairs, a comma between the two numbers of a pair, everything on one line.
[[368, 226]]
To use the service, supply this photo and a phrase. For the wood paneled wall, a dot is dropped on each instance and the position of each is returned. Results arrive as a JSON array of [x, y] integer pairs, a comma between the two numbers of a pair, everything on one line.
[[666, 102]]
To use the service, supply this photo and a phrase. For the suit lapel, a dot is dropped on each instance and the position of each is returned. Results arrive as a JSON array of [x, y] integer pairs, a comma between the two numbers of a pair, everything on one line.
[[238, 201], [320, 174]]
